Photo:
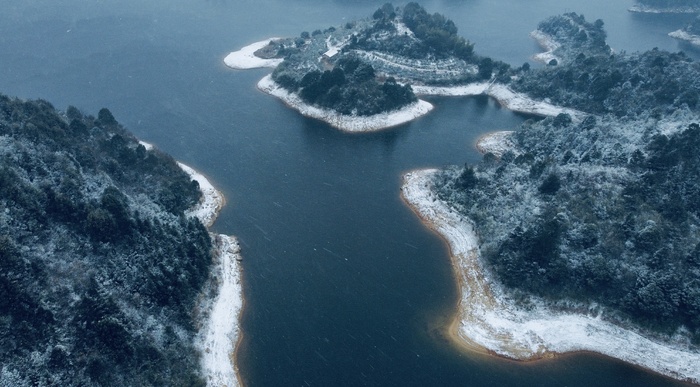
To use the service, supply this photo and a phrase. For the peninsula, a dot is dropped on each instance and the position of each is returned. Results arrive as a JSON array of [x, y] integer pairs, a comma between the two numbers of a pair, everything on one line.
[[566, 237]]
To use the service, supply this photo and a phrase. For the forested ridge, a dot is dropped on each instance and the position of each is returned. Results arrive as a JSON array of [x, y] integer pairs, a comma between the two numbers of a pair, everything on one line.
[[100, 269], [604, 210]]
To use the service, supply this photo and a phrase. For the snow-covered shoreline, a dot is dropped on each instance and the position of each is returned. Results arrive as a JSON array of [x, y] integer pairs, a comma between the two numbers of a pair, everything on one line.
[[509, 99], [345, 122], [220, 331], [638, 8], [245, 59], [489, 320], [548, 43], [518, 102], [683, 35]]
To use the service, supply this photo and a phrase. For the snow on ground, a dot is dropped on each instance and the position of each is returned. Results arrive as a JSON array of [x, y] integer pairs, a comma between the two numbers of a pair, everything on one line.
[[347, 123], [245, 58], [220, 332], [639, 8], [489, 320], [454, 91], [683, 35], [506, 97], [547, 42], [212, 200], [496, 142], [450, 67]]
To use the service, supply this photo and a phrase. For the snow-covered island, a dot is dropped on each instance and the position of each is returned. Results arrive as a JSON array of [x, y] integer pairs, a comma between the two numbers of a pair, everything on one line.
[[487, 320], [222, 298], [364, 76]]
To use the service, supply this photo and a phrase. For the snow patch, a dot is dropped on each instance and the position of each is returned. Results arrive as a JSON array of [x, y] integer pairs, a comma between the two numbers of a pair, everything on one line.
[[547, 42], [496, 142], [489, 320], [245, 59], [347, 123]]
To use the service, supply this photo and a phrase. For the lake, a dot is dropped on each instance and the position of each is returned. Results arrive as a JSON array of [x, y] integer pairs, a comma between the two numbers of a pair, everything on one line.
[[343, 284]]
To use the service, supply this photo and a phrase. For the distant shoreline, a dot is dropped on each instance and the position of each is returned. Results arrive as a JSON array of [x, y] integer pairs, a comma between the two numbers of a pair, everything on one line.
[[487, 321], [683, 35], [637, 8]]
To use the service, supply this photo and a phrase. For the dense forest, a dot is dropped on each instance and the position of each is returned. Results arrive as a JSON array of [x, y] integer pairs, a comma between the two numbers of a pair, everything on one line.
[[350, 88], [100, 269], [604, 210]]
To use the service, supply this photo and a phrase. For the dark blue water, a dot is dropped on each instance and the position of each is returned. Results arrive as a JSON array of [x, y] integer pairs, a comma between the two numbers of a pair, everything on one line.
[[344, 285]]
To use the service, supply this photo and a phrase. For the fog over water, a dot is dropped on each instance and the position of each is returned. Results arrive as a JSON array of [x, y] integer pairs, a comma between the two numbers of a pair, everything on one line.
[[343, 284]]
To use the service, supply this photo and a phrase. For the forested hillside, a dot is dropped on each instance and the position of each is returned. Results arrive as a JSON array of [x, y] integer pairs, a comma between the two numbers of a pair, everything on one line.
[[622, 84], [604, 210], [99, 267]]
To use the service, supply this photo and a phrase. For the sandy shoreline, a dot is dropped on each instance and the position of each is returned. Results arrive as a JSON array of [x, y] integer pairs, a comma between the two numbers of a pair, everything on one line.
[[352, 124], [682, 35], [488, 321], [220, 332]]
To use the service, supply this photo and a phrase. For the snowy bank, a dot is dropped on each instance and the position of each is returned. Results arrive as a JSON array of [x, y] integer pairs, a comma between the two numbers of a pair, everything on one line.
[[683, 35], [347, 123], [488, 320], [548, 43], [245, 59], [639, 8], [509, 99], [219, 333], [212, 200], [496, 142]]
